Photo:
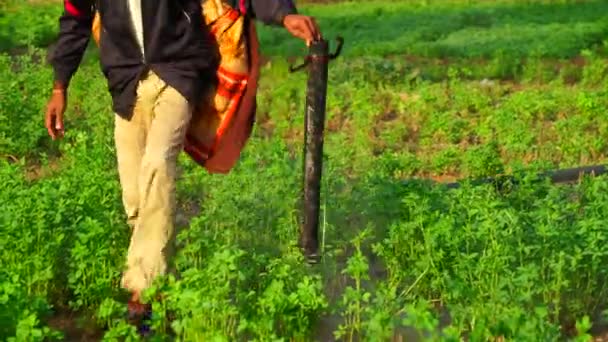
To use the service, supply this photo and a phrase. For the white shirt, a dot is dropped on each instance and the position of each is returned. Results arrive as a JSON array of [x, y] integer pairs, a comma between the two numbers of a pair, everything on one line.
[[136, 18]]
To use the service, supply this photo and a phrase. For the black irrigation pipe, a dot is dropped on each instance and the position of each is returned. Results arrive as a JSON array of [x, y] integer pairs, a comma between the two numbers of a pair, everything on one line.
[[556, 176]]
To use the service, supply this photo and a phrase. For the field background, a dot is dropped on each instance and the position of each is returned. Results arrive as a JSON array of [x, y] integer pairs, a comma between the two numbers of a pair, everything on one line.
[[425, 90]]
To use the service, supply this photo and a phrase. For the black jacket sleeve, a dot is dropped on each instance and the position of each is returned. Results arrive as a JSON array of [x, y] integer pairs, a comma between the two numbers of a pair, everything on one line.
[[270, 12], [74, 34]]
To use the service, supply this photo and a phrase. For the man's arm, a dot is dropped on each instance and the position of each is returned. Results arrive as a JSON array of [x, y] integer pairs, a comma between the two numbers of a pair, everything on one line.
[[280, 13], [270, 12], [74, 34]]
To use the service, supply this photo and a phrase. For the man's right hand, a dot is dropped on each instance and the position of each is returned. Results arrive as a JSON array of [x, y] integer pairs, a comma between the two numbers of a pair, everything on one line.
[[54, 114], [303, 27]]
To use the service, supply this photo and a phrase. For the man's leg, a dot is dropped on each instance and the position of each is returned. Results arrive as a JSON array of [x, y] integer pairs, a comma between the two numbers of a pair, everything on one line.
[[153, 235], [130, 139]]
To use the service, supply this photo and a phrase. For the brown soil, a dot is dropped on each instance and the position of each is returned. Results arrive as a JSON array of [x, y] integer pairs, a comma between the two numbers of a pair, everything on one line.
[[35, 171], [76, 328]]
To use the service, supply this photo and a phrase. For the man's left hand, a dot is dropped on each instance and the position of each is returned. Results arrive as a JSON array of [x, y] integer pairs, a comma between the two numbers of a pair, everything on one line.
[[303, 27]]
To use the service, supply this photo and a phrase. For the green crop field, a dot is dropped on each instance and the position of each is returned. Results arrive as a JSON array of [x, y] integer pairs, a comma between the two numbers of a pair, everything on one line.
[[426, 91]]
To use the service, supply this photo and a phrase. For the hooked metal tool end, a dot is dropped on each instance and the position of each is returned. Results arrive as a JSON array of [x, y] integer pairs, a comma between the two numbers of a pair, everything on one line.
[[318, 49]]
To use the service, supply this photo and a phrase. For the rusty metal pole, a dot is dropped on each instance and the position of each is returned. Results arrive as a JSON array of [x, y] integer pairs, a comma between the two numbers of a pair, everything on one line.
[[314, 126]]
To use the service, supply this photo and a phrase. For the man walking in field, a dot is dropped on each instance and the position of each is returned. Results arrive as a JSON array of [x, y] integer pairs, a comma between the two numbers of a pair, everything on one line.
[[157, 57]]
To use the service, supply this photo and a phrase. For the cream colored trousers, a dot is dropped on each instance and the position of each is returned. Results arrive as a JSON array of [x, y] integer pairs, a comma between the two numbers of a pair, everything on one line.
[[147, 147]]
